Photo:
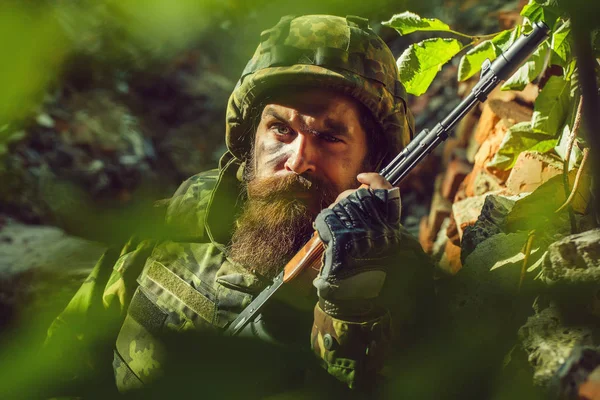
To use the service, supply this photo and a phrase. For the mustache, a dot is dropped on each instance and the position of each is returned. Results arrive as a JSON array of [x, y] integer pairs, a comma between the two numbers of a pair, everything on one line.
[[274, 188]]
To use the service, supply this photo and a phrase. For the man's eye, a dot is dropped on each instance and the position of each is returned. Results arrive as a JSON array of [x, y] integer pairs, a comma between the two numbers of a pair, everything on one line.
[[281, 129], [329, 138]]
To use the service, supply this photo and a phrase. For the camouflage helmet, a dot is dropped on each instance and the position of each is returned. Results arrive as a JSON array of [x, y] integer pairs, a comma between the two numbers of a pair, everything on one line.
[[341, 54]]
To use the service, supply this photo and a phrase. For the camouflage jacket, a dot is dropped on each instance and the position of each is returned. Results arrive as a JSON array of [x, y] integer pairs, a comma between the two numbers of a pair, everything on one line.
[[186, 283]]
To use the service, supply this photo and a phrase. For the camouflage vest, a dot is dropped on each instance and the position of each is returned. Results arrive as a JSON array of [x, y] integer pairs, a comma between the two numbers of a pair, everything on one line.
[[186, 283]]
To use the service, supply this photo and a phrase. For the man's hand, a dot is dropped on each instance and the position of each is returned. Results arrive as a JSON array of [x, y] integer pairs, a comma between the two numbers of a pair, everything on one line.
[[360, 232], [371, 179]]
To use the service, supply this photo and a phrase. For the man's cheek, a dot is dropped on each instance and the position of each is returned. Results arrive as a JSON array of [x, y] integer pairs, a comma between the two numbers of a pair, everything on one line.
[[344, 176], [271, 155]]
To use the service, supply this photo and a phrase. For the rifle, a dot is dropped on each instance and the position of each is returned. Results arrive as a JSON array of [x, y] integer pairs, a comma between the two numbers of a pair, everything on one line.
[[492, 73]]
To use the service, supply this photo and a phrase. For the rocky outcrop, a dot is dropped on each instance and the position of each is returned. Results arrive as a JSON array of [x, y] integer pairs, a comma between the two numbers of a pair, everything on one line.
[[491, 221], [40, 269], [574, 259], [548, 341]]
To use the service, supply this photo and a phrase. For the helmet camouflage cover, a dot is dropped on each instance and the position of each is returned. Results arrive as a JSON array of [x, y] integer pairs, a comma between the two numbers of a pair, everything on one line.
[[341, 54]]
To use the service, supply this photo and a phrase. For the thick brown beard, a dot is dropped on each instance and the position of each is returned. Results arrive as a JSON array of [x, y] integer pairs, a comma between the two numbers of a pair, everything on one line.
[[276, 221]]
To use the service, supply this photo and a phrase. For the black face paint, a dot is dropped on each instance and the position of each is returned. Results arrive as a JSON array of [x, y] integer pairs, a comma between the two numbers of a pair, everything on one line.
[[276, 159], [273, 150], [256, 154]]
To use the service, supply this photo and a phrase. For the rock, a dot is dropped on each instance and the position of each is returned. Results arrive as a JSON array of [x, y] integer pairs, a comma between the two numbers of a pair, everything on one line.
[[481, 292], [487, 122], [425, 235], [531, 170], [456, 172], [450, 262], [490, 221], [504, 95], [590, 389], [420, 181], [452, 231], [510, 110], [467, 211], [529, 94], [471, 150], [439, 245], [450, 150], [41, 266], [489, 147], [548, 341], [96, 144], [440, 210], [480, 181], [466, 128], [576, 378], [574, 259]]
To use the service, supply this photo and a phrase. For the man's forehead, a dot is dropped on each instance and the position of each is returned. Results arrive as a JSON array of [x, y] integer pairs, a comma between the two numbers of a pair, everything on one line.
[[313, 102]]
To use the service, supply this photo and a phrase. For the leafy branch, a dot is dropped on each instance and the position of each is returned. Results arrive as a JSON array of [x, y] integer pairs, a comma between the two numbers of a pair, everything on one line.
[[553, 119]]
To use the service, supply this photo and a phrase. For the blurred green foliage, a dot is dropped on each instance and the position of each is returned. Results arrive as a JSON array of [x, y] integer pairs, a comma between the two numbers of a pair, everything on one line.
[[41, 38], [32, 50], [454, 356]]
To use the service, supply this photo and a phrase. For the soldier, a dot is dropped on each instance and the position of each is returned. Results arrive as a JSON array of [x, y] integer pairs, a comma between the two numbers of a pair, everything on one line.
[[317, 110]]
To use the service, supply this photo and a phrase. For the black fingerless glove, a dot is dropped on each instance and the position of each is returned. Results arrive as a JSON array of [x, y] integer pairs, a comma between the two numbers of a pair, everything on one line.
[[360, 233]]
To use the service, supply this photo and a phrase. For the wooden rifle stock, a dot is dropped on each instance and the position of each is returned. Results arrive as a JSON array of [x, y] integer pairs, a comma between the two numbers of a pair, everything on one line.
[[308, 258]]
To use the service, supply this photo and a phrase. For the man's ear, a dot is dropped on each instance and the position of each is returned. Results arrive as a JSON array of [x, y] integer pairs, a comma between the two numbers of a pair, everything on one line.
[[241, 172]]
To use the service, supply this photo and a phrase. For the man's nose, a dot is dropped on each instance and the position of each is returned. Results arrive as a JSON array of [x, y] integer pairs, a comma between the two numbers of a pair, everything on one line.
[[302, 156]]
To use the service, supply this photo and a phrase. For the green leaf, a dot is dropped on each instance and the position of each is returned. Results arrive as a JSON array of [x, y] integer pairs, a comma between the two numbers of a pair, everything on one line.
[[546, 2], [528, 71], [471, 62], [551, 106], [570, 70], [537, 210], [526, 27], [561, 45], [546, 13], [538, 263], [421, 62], [408, 22], [505, 39], [520, 137]]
